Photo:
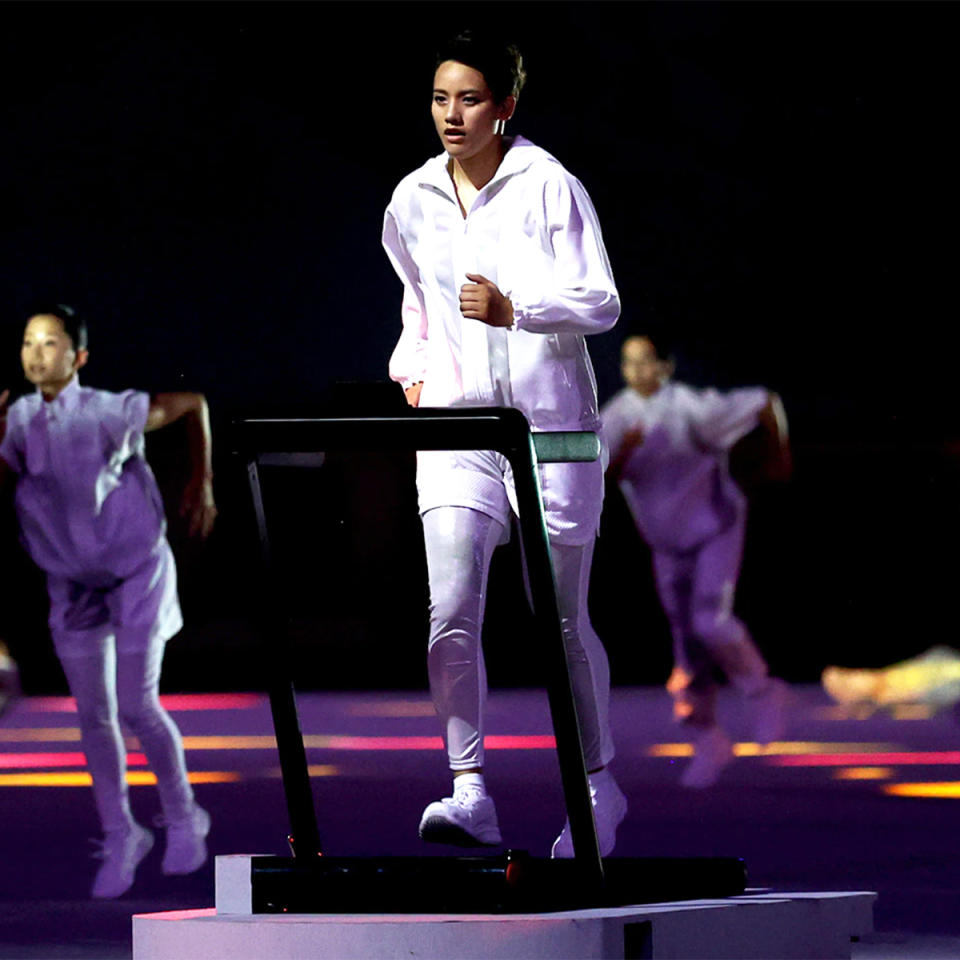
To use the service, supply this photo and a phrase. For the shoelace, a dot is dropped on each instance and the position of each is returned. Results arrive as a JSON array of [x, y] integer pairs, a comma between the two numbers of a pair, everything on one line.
[[160, 822], [104, 849], [468, 796]]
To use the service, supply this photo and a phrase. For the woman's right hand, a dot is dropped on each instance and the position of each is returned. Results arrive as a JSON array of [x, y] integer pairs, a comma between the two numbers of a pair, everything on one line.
[[413, 394]]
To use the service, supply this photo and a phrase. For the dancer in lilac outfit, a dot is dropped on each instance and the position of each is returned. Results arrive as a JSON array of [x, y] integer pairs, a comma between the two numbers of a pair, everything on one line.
[[91, 517], [669, 444]]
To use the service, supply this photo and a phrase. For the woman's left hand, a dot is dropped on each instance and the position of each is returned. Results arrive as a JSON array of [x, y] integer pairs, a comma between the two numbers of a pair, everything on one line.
[[482, 300]]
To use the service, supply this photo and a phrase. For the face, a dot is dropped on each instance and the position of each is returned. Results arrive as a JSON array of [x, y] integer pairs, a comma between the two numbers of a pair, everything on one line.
[[48, 355], [464, 111], [641, 368]]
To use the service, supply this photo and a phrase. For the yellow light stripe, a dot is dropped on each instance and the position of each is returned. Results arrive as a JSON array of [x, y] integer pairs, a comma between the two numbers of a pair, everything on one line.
[[314, 769], [944, 791], [135, 778], [322, 770], [863, 773], [670, 750], [214, 776], [393, 708], [231, 743], [40, 735], [77, 779], [783, 748]]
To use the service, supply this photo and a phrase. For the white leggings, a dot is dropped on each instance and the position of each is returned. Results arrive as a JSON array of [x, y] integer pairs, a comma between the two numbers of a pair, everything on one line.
[[110, 688], [460, 544]]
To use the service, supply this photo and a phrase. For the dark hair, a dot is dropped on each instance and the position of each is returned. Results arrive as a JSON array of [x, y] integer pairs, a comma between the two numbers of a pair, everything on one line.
[[499, 61], [663, 344], [74, 326]]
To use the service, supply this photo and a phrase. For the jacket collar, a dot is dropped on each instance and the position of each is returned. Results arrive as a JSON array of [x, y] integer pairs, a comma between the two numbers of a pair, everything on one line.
[[520, 154], [65, 401]]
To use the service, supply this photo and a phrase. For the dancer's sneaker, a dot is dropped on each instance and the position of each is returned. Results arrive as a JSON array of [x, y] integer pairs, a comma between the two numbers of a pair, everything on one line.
[[467, 819], [186, 848], [931, 679], [609, 809], [770, 711], [121, 852], [712, 751]]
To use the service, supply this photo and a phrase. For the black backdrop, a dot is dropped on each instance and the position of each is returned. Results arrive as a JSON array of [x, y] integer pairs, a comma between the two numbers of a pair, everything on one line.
[[776, 188]]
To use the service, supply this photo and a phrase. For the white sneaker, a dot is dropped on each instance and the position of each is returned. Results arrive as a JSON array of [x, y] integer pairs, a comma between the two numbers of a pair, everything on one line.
[[712, 751], [121, 852], [609, 809], [186, 849], [467, 819]]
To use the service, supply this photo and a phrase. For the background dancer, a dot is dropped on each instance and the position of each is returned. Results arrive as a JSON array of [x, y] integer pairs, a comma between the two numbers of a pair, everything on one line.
[[669, 444], [91, 517], [504, 274]]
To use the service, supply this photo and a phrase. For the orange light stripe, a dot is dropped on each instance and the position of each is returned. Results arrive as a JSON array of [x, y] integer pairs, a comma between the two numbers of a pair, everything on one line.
[[135, 778], [40, 735], [935, 791], [257, 742], [863, 773]]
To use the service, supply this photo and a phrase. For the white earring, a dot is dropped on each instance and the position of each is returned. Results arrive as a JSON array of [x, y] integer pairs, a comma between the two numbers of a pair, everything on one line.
[[499, 126]]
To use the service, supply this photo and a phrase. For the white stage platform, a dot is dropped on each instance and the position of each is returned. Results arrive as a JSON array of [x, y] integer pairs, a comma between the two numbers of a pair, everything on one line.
[[762, 925]]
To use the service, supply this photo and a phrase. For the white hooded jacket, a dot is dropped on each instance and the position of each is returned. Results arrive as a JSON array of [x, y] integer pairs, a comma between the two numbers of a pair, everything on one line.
[[533, 232]]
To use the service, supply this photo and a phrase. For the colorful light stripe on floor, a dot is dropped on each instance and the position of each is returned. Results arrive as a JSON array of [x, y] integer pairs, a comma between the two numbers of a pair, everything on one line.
[[948, 790], [902, 758], [778, 748], [26, 761], [345, 742], [135, 778], [40, 735], [392, 708], [863, 773], [313, 770], [172, 701]]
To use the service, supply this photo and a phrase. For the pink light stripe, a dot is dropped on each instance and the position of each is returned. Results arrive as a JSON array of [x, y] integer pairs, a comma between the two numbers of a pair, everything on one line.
[[172, 701], [493, 742], [931, 758], [33, 761]]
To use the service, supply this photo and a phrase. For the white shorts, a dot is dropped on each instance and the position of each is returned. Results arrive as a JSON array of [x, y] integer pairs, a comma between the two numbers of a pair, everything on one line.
[[138, 610], [483, 480]]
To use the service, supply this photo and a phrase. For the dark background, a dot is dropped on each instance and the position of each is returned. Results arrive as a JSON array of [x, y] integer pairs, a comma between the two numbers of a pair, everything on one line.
[[776, 185]]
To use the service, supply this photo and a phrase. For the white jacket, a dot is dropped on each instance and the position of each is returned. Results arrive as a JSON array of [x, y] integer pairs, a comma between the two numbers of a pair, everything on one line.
[[533, 232]]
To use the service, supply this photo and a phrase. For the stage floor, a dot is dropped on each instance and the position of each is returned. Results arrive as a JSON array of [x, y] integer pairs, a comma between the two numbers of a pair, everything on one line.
[[844, 803]]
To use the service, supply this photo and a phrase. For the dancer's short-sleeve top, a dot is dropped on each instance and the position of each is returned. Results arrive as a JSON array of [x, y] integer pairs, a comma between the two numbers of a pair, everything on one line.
[[87, 501], [677, 482]]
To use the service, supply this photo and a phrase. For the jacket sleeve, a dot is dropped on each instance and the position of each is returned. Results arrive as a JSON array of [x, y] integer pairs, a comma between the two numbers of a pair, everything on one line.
[[408, 362], [570, 287]]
